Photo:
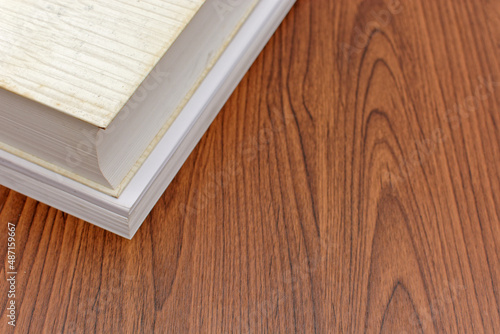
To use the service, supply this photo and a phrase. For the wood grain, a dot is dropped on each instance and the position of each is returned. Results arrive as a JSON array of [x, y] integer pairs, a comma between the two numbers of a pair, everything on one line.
[[351, 184]]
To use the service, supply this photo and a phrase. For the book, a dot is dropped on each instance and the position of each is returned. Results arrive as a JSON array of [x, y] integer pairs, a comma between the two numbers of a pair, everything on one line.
[[103, 146], [87, 86]]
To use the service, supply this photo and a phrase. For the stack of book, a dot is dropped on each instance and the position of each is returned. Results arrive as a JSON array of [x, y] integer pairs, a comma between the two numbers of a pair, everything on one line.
[[103, 101]]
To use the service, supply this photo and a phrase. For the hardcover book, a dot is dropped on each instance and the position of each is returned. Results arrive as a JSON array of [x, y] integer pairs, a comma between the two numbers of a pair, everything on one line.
[[102, 101]]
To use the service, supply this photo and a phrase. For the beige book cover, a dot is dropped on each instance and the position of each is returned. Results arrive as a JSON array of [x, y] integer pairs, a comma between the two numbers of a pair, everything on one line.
[[86, 58]]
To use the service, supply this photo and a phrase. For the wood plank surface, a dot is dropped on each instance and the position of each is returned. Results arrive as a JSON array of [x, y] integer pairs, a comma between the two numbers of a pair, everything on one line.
[[351, 184]]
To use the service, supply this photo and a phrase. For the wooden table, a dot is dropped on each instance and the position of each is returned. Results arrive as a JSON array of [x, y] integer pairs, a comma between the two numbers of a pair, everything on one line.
[[350, 184]]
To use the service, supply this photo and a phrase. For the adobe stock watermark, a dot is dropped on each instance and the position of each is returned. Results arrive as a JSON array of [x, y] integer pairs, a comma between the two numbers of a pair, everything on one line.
[[381, 19], [75, 156], [456, 115], [11, 274], [224, 7], [57, 18], [231, 171]]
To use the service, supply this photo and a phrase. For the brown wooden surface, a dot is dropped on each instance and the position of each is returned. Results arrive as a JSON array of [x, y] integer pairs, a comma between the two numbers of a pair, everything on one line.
[[350, 184]]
